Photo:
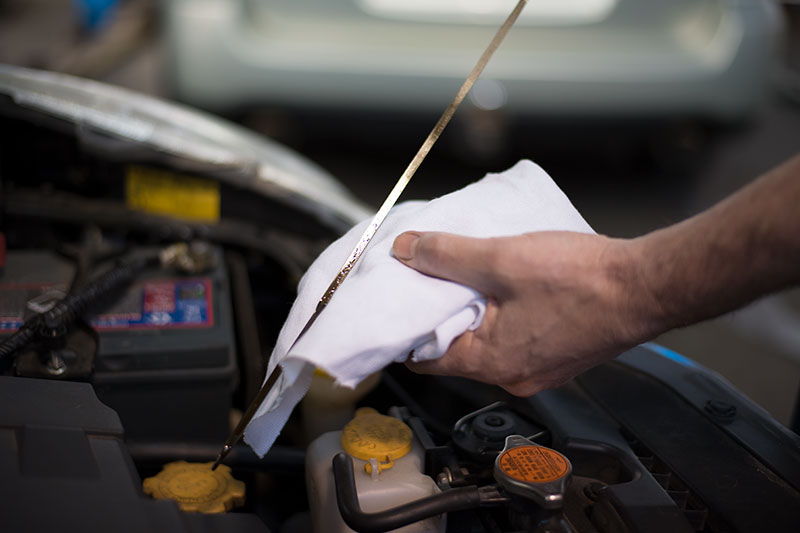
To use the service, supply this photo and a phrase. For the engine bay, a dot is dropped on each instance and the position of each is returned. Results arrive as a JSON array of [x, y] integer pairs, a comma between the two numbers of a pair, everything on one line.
[[144, 283]]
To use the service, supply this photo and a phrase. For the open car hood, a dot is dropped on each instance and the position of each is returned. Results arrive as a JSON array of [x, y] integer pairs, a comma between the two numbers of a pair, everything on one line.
[[187, 138]]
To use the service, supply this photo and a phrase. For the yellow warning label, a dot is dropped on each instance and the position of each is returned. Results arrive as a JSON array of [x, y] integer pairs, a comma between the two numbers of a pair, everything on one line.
[[534, 464], [161, 192]]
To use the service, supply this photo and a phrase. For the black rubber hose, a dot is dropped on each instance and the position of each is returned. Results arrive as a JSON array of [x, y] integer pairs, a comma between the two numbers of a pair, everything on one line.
[[252, 360], [396, 517]]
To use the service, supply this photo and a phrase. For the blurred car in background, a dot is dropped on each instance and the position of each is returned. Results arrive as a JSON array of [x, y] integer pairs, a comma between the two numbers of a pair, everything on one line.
[[707, 58]]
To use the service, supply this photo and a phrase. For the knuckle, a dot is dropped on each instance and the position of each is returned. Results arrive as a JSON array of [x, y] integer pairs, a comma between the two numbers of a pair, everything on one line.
[[500, 263], [431, 248], [494, 257]]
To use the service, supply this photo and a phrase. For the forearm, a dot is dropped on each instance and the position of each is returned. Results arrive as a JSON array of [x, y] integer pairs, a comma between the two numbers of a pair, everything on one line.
[[744, 247]]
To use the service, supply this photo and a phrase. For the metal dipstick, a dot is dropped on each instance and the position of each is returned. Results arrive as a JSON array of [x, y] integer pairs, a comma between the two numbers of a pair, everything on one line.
[[376, 222]]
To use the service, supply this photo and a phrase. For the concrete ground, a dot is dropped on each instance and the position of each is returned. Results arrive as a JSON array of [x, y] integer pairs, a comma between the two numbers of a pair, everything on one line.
[[624, 183]]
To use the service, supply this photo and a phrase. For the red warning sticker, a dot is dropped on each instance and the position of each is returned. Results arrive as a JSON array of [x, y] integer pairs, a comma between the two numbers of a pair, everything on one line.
[[534, 464]]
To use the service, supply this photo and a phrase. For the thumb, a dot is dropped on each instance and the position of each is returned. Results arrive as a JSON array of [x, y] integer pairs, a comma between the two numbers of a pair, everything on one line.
[[465, 260]]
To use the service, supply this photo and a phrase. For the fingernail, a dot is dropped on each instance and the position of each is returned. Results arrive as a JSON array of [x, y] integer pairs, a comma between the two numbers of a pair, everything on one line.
[[405, 245]]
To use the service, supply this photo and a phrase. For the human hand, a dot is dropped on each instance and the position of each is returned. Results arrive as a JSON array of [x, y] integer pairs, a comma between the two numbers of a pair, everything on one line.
[[558, 303]]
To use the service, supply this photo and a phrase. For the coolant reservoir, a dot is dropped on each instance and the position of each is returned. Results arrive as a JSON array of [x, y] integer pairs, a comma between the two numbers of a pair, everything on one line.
[[328, 406], [388, 464]]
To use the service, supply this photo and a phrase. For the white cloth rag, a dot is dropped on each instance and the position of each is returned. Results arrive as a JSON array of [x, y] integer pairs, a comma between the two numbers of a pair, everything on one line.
[[384, 309]]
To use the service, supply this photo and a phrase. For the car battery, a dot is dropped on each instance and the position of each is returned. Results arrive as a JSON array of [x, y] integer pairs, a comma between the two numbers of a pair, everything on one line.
[[164, 352]]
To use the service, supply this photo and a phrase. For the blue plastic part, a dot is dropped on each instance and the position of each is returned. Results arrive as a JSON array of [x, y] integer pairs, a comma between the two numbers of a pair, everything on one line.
[[669, 354], [94, 13]]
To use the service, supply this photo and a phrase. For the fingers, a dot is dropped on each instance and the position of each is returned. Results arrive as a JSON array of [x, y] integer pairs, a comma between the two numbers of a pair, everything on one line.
[[451, 365], [435, 367], [465, 260]]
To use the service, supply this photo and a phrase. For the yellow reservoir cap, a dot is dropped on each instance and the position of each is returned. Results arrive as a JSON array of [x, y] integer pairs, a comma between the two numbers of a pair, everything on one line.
[[321, 373], [196, 487], [371, 435]]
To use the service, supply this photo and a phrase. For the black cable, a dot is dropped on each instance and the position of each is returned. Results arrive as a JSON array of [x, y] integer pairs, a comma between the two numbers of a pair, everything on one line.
[[67, 310], [396, 517], [19, 339], [56, 322]]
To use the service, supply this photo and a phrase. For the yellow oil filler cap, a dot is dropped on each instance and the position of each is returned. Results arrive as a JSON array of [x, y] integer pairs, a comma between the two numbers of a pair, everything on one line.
[[379, 439], [196, 487]]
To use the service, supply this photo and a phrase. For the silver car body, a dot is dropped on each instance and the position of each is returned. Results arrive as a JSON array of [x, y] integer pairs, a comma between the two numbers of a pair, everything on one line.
[[609, 57]]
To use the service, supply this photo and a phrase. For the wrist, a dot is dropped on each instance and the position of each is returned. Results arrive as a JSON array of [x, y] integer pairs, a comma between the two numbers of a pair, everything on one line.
[[632, 268]]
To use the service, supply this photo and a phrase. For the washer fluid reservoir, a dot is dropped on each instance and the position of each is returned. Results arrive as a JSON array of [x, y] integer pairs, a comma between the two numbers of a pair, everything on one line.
[[388, 464]]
